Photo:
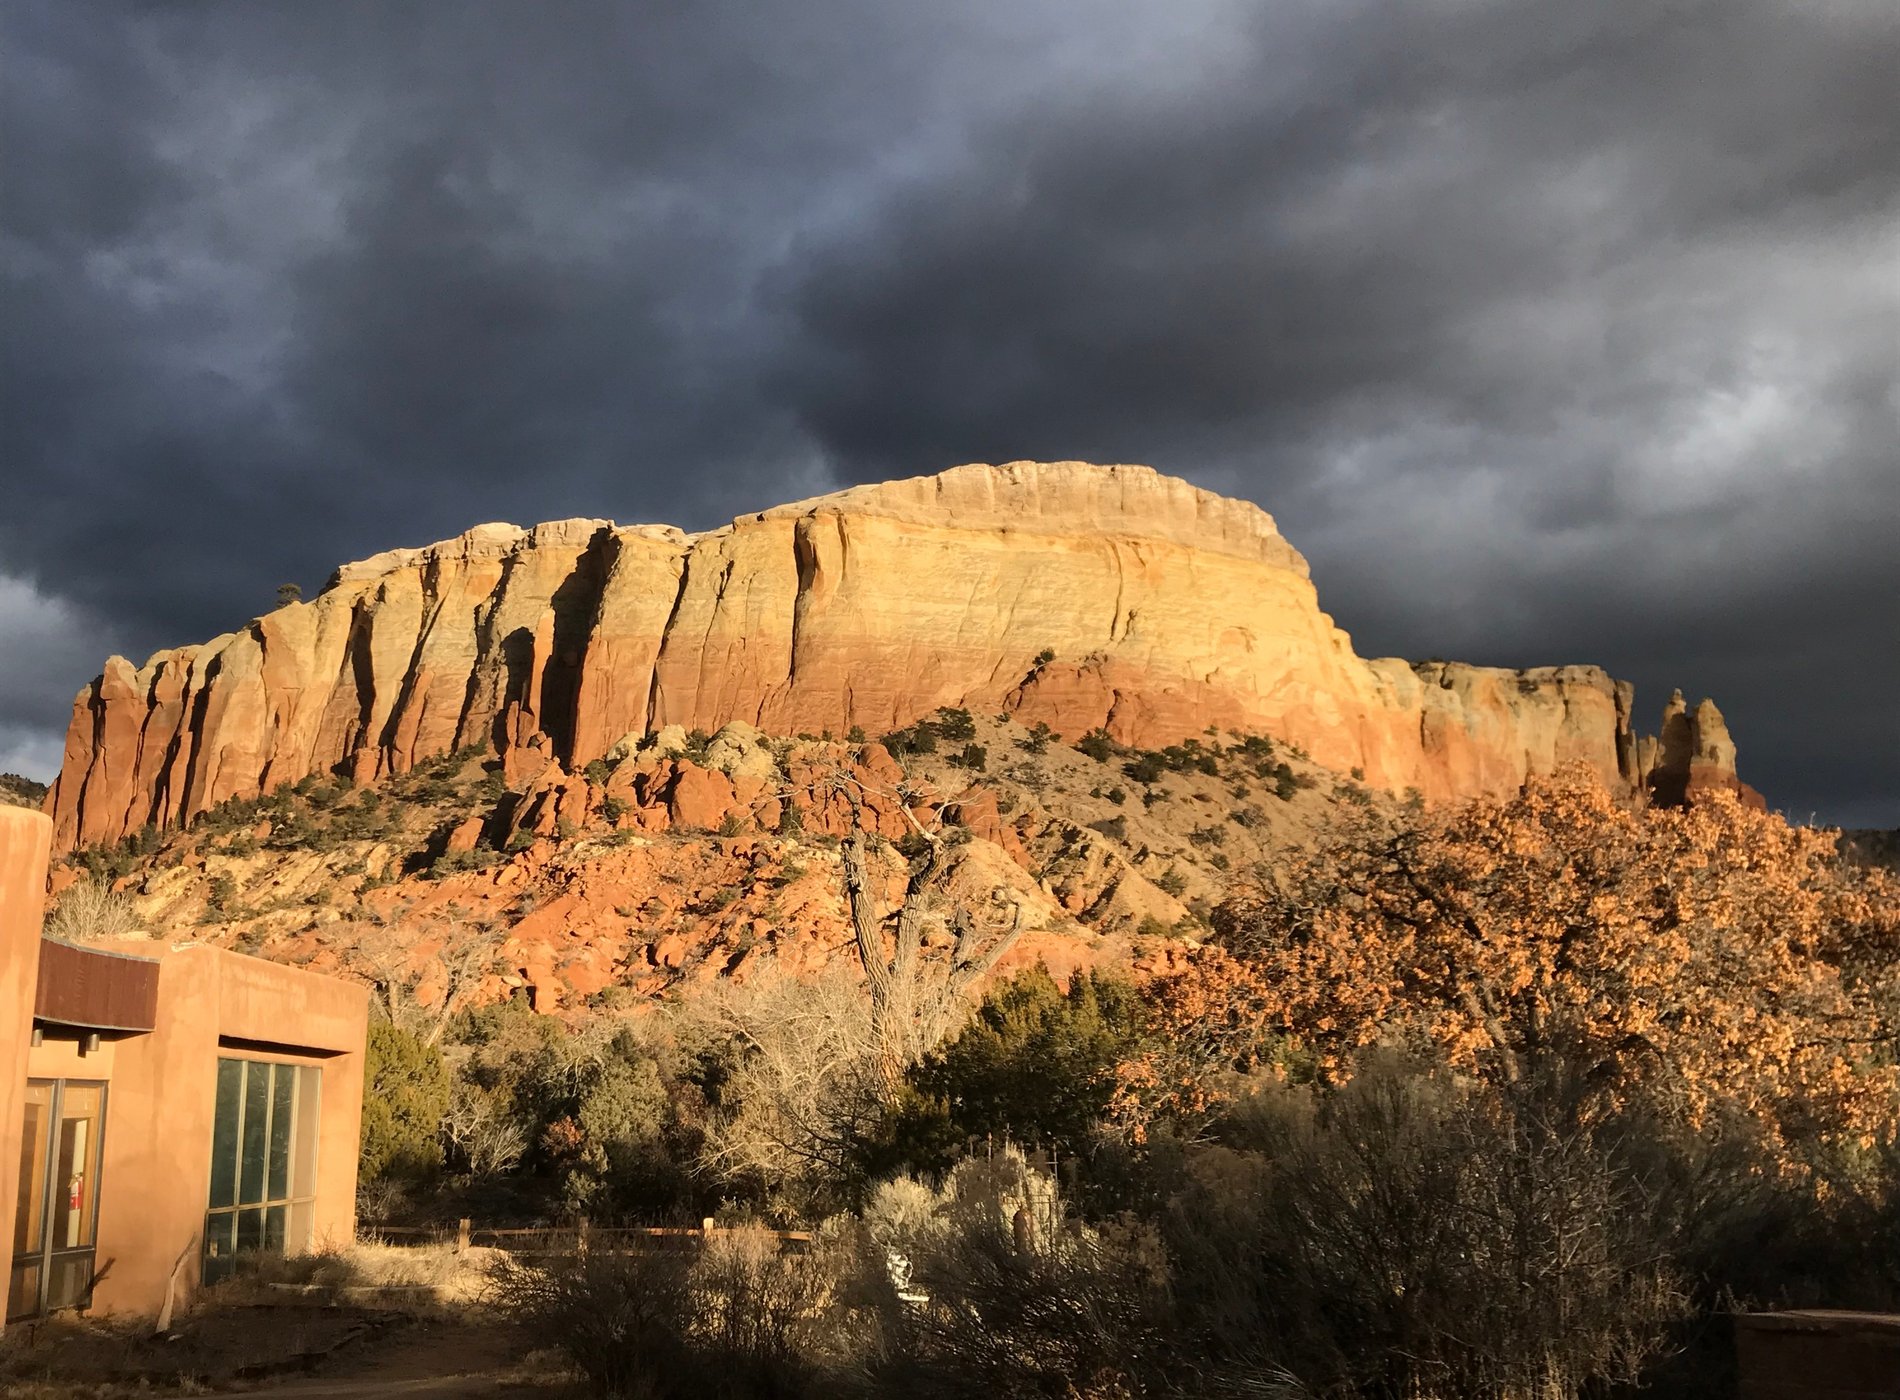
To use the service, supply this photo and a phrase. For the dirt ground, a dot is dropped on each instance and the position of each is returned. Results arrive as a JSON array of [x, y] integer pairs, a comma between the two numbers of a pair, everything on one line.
[[435, 1358], [365, 1355], [363, 1322]]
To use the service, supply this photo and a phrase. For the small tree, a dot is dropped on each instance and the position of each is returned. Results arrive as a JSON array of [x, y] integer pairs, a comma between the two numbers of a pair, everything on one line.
[[288, 593], [405, 1096], [1037, 1062]]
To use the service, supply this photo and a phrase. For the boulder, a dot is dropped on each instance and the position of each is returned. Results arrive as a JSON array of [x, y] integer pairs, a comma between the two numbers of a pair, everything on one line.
[[698, 797], [739, 751]]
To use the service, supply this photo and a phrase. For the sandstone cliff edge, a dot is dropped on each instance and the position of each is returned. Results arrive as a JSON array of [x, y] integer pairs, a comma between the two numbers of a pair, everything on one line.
[[1076, 595]]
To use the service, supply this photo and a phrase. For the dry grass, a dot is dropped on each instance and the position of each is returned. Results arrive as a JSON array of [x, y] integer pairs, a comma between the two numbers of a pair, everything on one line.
[[403, 1278], [91, 911]]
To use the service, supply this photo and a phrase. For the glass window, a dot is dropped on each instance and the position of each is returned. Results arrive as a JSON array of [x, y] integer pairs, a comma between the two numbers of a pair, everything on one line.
[[28, 1218], [224, 1133], [253, 1129], [283, 1088], [263, 1169], [75, 1199]]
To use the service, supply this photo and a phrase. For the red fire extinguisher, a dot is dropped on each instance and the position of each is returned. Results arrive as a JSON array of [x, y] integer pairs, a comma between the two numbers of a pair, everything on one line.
[[78, 1191]]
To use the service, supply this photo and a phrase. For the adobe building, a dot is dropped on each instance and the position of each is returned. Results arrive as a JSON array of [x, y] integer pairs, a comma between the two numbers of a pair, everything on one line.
[[166, 1109]]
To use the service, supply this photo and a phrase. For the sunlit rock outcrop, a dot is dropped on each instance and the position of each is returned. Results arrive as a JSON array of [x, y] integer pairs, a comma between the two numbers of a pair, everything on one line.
[[1076, 595]]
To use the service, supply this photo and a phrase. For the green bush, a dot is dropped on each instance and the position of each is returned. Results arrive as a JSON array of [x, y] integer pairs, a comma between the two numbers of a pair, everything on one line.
[[955, 725], [1015, 1297], [623, 1116], [1145, 767], [405, 1094], [920, 738], [221, 898], [621, 1318], [1035, 1064], [455, 862], [1411, 1233], [744, 1319], [1037, 740]]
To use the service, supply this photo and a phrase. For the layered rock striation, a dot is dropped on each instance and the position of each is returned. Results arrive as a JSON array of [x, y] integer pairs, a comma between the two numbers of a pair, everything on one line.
[[1080, 596]]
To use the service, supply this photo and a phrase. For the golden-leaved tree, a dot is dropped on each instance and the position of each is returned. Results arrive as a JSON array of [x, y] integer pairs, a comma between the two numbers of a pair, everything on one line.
[[1715, 957]]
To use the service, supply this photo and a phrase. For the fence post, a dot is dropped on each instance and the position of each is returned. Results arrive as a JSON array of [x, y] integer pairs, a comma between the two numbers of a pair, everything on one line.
[[583, 1237], [461, 1235]]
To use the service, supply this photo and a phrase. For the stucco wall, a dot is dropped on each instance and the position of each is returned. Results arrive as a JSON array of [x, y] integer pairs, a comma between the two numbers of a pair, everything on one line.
[[25, 838], [157, 1171]]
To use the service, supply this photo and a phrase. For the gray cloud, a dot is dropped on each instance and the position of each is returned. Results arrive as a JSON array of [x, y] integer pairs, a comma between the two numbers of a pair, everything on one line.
[[1549, 332]]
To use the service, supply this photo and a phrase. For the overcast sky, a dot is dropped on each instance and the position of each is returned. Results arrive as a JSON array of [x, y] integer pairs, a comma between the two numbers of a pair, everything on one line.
[[1549, 331]]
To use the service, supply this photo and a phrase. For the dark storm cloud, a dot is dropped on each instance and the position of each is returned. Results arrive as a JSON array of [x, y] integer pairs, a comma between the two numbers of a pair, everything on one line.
[[1549, 332]]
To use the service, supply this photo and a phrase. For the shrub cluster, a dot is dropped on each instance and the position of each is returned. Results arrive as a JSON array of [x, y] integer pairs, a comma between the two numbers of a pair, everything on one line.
[[953, 726], [1509, 1101], [1411, 1233]]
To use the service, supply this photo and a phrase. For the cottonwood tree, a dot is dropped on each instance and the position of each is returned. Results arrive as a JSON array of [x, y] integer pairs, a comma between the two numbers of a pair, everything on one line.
[[823, 1060], [384, 952], [804, 1089]]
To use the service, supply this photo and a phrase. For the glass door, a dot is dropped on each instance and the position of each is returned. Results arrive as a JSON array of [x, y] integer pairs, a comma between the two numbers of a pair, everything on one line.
[[57, 1221]]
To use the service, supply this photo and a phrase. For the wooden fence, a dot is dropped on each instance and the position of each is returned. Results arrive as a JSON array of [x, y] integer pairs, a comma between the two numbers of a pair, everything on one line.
[[561, 1241]]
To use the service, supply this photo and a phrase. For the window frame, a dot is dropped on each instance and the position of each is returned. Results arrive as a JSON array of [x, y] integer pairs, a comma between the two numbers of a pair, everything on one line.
[[216, 1265]]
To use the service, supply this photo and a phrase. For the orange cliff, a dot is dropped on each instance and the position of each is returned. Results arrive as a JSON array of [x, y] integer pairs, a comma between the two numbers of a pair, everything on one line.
[[1072, 594]]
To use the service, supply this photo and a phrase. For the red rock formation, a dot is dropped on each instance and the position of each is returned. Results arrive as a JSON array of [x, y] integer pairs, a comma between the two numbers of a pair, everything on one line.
[[1077, 595], [1693, 755]]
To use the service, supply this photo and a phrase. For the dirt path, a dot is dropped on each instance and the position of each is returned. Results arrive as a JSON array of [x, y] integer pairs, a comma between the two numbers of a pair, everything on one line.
[[432, 1360]]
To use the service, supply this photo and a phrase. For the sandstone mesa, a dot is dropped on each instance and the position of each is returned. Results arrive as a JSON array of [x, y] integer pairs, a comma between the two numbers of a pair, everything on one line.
[[1075, 595]]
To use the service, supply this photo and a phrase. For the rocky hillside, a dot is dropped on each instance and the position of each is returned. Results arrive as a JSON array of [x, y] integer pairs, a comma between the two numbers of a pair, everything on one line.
[[21, 792], [687, 858], [1076, 596]]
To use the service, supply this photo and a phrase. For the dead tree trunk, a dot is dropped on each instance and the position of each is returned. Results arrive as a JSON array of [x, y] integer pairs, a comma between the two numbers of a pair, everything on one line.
[[915, 1001]]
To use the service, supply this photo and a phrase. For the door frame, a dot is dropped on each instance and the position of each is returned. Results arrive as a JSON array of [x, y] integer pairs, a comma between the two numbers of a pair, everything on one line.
[[44, 1255]]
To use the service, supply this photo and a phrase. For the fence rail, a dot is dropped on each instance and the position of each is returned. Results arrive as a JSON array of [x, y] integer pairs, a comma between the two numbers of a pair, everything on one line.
[[580, 1238]]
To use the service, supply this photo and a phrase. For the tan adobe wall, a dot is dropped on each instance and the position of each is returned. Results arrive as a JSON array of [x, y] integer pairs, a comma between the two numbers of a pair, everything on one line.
[[157, 1171], [25, 839]]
